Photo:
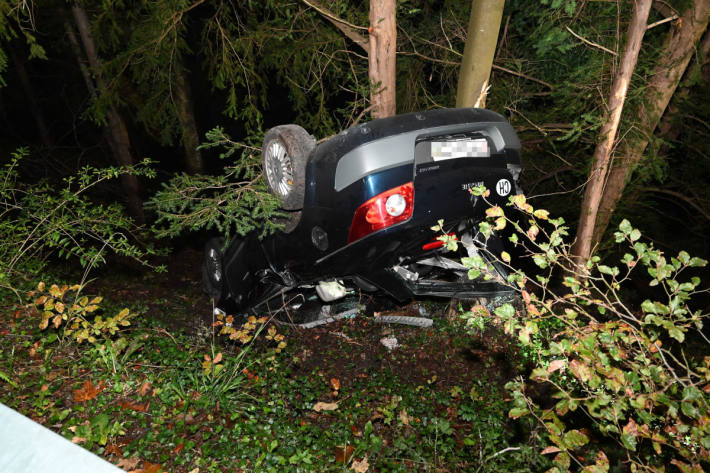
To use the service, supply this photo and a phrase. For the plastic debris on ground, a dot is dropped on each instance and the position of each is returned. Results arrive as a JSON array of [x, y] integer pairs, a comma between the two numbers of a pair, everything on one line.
[[390, 343]]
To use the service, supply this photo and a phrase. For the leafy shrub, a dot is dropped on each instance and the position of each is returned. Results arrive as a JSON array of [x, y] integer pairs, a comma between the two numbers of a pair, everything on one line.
[[78, 315], [38, 220], [236, 201], [628, 383]]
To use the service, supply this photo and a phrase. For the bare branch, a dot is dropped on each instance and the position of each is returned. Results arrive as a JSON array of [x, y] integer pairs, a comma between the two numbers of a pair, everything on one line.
[[591, 43], [348, 29]]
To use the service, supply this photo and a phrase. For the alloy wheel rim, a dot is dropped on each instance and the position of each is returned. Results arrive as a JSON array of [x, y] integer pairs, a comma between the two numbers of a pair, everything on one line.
[[279, 168], [215, 265]]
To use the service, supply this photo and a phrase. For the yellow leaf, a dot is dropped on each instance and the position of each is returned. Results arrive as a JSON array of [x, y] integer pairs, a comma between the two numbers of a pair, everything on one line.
[[40, 287], [44, 323], [40, 300], [57, 321], [123, 313], [91, 308], [97, 300], [59, 307], [83, 301], [55, 291]]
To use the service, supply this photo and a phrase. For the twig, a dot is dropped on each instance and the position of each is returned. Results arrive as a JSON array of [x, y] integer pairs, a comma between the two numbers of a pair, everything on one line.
[[524, 76], [591, 43], [660, 22], [507, 449], [362, 114]]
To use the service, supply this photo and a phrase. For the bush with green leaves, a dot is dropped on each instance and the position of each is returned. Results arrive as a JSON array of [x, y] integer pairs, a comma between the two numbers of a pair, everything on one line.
[[42, 219], [236, 201], [615, 382]]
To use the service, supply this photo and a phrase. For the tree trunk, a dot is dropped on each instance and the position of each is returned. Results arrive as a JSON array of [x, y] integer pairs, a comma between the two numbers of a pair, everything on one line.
[[481, 41], [582, 248], [119, 140], [186, 116], [382, 57], [669, 70], [35, 109]]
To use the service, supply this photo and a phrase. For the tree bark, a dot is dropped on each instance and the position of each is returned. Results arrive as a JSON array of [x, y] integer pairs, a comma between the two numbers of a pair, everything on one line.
[[119, 140], [481, 41], [674, 59], [382, 57], [582, 249], [186, 116]]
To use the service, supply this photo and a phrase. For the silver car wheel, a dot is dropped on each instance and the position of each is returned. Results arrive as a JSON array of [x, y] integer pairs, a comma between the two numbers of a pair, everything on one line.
[[279, 168]]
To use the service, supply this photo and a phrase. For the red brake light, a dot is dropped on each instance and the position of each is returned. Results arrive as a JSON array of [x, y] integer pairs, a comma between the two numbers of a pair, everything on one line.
[[377, 213]]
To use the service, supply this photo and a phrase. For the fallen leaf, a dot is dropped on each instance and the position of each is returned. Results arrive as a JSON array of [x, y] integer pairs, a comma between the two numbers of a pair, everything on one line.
[[217, 358], [78, 440], [149, 467], [403, 417], [134, 406], [360, 466], [144, 389], [325, 406], [88, 391], [113, 449], [355, 431], [343, 454], [128, 463], [196, 470], [335, 382], [179, 448]]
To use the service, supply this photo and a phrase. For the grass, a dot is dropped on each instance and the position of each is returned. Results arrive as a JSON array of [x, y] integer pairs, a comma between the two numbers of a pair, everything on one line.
[[165, 401]]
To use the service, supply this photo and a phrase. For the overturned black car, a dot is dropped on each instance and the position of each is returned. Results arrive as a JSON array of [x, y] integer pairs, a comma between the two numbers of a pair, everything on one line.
[[361, 206]]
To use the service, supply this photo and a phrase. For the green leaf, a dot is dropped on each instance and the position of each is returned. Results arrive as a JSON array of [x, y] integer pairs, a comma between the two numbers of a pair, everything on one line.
[[505, 311], [676, 333], [575, 438], [625, 227], [540, 260], [629, 441], [517, 412]]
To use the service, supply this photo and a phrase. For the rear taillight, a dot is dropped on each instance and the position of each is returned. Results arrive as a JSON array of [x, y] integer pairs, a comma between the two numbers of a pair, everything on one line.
[[383, 210]]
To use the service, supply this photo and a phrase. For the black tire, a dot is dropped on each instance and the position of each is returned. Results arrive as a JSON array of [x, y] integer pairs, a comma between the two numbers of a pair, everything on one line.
[[284, 155], [213, 268]]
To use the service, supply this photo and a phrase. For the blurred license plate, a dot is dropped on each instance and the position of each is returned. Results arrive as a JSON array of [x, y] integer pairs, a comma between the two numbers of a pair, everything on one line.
[[466, 148]]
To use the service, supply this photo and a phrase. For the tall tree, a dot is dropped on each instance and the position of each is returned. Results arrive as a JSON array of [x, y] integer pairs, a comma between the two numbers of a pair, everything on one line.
[[381, 49], [679, 47], [188, 125], [481, 40], [382, 57], [601, 160], [117, 132]]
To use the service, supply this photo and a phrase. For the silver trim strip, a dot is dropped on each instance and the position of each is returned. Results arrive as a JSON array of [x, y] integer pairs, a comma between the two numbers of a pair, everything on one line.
[[396, 150]]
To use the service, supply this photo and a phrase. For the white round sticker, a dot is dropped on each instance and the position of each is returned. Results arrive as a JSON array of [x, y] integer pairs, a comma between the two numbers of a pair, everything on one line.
[[503, 187]]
